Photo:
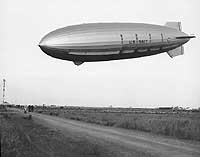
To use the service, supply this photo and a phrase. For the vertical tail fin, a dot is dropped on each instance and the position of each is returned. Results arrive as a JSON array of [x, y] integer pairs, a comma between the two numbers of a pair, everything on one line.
[[175, 25]]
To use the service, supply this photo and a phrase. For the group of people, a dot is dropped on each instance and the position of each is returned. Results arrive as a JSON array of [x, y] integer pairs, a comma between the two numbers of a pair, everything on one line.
[[29, 108]]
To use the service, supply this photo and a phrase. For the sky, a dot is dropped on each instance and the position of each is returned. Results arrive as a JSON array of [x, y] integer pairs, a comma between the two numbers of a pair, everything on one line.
[[32, 77]]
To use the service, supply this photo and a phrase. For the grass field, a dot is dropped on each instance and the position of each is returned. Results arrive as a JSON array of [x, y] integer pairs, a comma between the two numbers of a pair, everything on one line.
[[22, 136], [183, 125]]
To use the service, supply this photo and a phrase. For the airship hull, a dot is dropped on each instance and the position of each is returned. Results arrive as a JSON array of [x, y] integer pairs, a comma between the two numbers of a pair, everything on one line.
[[110, 41], [102, 54]]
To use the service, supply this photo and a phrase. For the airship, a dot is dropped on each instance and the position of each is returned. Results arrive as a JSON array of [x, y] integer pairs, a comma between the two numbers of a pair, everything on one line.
[[94, 42]]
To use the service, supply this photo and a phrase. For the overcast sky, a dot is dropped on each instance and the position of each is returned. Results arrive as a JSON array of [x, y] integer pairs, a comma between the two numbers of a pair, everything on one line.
[[35, 78]]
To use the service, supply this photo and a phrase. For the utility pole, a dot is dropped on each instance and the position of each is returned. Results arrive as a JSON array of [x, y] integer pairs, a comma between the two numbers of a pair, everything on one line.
[[4, 86]]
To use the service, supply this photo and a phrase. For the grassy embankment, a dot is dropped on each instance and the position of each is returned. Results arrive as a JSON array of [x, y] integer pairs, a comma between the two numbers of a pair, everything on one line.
[[179, 125]]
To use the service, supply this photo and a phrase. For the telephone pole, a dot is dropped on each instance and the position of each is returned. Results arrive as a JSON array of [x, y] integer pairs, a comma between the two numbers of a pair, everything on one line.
[[4, 89]]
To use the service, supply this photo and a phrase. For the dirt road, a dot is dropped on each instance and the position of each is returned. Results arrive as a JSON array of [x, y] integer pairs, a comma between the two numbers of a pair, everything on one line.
[[121, 142]]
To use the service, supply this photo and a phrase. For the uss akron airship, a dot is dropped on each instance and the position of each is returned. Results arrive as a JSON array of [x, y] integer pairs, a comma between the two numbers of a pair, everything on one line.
[[112, 41]]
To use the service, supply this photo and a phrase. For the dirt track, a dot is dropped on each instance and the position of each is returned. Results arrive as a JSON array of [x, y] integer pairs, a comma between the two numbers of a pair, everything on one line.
[[120, 141]]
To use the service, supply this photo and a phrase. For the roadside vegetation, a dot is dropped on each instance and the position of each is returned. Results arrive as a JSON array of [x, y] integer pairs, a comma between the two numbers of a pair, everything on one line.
[[21, 136], [182, 125]]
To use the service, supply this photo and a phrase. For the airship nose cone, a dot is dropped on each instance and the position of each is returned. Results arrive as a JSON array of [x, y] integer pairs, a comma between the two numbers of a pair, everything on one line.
[[55, 38], [52, 43], [43, 48], [47, 42], [42, 45], [44, 41]]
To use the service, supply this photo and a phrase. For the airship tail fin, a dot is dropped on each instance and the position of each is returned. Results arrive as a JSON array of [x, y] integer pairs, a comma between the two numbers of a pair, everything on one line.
[[179, 50], [175, 25], [176, 52]]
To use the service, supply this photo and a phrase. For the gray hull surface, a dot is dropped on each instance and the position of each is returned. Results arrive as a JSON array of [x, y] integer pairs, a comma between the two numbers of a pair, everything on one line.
[[110, 41]]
